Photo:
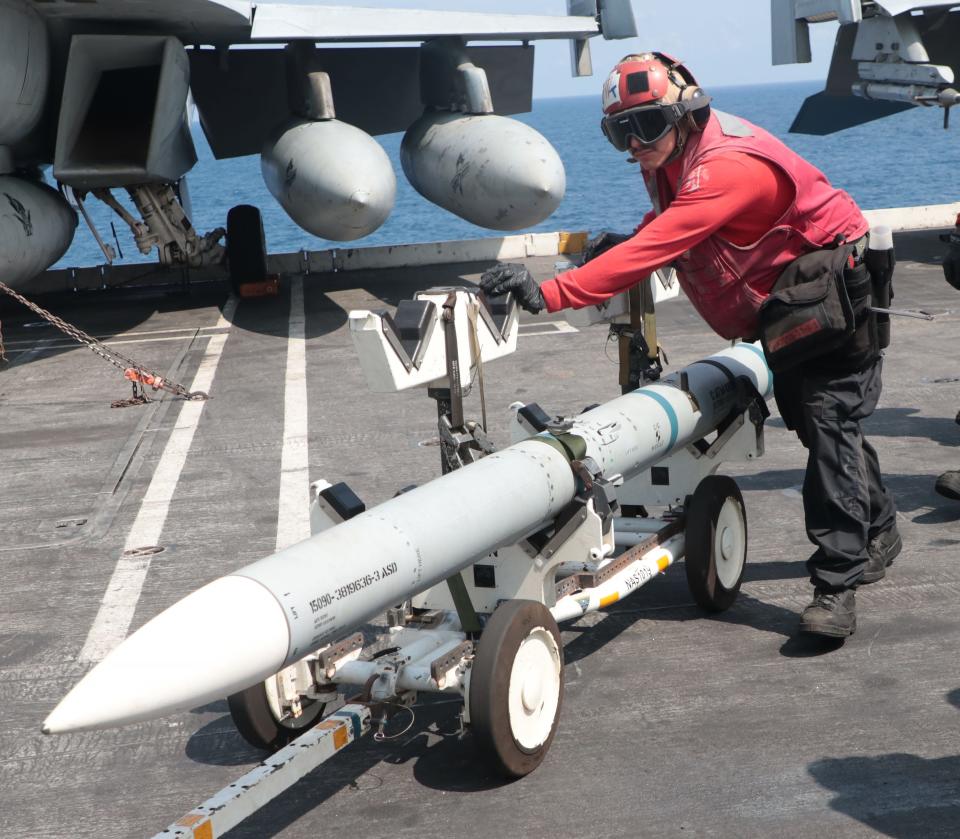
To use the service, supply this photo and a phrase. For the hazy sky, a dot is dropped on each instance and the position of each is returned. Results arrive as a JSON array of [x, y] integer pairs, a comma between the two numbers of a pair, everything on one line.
[[724, 42]]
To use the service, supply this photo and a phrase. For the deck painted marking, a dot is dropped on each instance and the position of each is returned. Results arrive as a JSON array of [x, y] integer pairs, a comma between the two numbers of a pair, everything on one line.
[[550, 327], [123, 591], [51, 344], [293, 518]]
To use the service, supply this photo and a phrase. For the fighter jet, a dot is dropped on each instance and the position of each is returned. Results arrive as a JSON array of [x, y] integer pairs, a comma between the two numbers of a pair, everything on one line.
[[96, 97], [889, 55]]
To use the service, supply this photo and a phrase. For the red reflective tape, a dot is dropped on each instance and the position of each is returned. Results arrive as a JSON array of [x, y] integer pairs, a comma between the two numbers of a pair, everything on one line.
[[805, 329]]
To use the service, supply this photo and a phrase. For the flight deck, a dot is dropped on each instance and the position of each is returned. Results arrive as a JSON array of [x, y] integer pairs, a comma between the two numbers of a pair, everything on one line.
[[675, 722]]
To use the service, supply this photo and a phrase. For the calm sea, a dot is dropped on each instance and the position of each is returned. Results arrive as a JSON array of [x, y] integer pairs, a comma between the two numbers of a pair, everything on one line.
[[899, 161]]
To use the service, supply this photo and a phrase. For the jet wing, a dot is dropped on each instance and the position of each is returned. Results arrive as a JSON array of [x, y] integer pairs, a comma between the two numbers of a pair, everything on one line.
[[237, 21], [897, 7], [285, 22], [824, 113], [888, 56]]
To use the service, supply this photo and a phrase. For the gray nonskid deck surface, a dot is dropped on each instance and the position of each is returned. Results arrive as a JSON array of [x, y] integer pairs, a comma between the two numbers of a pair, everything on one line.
[[674, 724]]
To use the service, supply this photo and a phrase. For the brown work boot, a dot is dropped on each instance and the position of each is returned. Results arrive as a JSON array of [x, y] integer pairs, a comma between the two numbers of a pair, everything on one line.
[[882, 551], [832, 613]]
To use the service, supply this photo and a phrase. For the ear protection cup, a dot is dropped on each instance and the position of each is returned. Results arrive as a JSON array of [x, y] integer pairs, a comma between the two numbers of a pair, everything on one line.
[[698, 114]]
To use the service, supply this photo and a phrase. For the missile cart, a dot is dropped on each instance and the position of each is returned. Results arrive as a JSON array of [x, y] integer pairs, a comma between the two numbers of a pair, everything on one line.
[[576, 535]]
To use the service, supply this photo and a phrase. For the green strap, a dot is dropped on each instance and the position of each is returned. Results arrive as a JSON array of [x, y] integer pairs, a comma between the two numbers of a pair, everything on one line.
[[570, 446], [469, 621]]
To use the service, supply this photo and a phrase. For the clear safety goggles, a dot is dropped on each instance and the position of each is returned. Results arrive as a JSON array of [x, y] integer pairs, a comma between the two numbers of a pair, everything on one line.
[[647, 123]]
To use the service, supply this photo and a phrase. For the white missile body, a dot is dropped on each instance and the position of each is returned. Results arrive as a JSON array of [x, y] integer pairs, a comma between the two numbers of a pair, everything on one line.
[[242, 628], [490, 170], [331, 178]]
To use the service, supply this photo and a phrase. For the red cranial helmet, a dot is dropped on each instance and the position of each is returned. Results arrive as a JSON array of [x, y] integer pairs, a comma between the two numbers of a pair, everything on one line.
[[635, 80], [646, 95]]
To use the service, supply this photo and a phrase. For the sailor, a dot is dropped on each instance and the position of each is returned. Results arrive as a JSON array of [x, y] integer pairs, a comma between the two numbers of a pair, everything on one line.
[[733, 207]]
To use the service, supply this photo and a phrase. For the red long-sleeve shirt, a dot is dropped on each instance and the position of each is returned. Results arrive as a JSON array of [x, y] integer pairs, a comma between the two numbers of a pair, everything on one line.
[[736, 195]]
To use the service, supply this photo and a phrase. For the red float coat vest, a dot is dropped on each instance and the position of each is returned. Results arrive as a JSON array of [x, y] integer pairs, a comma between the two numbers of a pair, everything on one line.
[[726, 282]]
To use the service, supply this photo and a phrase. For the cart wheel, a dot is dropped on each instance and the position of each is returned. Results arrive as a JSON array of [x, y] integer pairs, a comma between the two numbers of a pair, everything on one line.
[[716, 542], [246, 246], [258, 716], [516, 687]]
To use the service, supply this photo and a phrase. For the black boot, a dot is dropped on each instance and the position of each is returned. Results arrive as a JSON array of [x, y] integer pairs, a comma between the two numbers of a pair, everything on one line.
[[948, 485], [832, 613], [882, 550]]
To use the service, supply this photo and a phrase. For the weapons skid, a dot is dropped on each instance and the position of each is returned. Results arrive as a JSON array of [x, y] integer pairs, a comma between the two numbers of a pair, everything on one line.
[[511, 544]]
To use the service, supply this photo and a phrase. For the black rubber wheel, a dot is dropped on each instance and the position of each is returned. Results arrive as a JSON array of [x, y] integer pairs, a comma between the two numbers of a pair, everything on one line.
[[259, 725], [516, 687], [716, 542], [246, 246]]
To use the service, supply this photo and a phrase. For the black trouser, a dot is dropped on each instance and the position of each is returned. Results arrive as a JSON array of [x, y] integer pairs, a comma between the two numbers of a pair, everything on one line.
[[844, 501]]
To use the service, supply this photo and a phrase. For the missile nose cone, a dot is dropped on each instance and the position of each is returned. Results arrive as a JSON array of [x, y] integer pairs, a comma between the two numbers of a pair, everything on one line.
[[226, 636]]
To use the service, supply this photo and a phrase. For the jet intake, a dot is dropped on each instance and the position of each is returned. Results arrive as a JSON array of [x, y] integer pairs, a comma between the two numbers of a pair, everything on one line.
[[123, 121], [331, 178], [490, 170]]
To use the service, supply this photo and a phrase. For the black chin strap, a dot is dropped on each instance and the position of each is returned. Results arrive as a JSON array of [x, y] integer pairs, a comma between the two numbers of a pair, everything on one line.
[[678, 149]]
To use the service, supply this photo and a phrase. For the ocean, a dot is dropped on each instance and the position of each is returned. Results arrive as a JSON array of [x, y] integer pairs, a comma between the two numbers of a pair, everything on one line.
[[902, 160]]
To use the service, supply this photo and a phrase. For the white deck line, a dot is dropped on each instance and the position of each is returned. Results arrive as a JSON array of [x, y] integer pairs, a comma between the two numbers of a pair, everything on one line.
[[123, 591], [293, 517]]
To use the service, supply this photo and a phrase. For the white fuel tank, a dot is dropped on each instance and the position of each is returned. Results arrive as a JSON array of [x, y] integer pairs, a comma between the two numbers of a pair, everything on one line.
[[24, 69], [36, 228], [490, 170], [333, 179]]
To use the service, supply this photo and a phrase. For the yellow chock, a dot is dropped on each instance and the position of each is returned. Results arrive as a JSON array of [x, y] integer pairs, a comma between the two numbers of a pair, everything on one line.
[[572, 242]]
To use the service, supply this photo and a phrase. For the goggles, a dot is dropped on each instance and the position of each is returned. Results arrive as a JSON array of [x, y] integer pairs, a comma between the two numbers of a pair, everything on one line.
[[648, 124]]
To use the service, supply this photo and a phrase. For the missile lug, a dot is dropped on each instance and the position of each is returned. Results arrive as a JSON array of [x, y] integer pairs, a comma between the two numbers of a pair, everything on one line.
[[347, 649], [331, 504]]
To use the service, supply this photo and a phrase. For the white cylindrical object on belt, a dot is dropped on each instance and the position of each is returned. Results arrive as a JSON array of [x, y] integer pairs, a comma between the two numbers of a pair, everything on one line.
[[293, 602]]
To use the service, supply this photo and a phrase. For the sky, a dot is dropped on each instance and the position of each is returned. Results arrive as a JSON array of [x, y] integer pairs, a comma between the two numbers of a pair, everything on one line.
[[723, 42]]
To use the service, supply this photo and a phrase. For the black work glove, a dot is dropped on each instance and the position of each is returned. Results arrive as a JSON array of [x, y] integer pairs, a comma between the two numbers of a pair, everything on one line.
[[601, 243], [508, 276]]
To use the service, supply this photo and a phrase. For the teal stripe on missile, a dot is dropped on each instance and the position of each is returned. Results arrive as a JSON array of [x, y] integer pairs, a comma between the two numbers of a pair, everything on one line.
[[354, 719], [668, 408], [759, 352]]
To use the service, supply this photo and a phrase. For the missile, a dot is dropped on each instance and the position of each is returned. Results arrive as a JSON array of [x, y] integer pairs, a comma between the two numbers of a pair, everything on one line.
[[490, 170], [246, 626], [331, 178], [36, 228]]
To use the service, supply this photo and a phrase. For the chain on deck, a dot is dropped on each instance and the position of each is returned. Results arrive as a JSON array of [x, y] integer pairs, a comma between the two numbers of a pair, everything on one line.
[[139, 376]]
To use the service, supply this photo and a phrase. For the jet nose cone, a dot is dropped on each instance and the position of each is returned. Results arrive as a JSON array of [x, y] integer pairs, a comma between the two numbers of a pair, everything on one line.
[[226, 636]]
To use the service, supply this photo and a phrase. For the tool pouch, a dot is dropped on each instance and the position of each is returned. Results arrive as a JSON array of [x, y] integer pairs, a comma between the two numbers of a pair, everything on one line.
[[809, 312]]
